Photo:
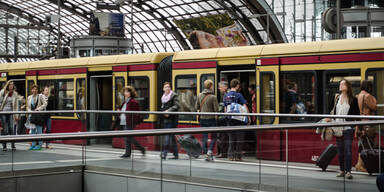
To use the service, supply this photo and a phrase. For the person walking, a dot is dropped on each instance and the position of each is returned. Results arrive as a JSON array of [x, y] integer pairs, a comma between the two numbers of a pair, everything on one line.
[[367, 105], [9, 102], [345, 104], [130, 121], [169, 103], [232, 100], [36, 102], [207, 102]]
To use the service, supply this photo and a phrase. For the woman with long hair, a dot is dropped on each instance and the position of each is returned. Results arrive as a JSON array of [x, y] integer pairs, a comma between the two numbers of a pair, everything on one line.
[[36, 102], [345, 104], [9, 102]]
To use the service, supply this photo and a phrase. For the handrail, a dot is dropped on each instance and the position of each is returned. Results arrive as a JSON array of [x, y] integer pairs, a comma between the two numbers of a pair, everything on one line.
[[201, 113], [198, 130]]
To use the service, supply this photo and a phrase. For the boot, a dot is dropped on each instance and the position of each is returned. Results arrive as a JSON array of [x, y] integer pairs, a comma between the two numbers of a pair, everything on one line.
[[360, 165]]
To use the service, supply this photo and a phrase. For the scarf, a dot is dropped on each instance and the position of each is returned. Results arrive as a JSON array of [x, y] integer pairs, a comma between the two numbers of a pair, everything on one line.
[[165, 98]]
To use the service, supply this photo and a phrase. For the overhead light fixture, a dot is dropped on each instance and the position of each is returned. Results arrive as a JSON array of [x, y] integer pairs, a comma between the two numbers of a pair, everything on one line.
[[108, 6]]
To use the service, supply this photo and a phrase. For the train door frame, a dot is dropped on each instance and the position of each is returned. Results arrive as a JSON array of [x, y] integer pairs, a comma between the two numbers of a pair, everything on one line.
[[366, 68], [275, 70]]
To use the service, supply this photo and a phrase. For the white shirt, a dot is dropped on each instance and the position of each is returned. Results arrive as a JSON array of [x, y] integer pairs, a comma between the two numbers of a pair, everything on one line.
[[123, 119], [342, 109]]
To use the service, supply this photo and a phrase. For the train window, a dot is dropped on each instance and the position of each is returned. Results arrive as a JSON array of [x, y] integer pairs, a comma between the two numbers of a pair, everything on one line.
[[81, 96], [65, 95], [186, 90], [377, 77], [119, 94], [141, 84], [267, 92], [332, 80], [46, 83], [206, 77], [297, 94]]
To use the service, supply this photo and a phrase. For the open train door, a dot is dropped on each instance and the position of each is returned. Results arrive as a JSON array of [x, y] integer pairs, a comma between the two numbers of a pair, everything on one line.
[[268, 142]]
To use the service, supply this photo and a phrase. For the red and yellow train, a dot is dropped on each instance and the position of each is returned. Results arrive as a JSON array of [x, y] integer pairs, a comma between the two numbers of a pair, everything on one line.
[[316, 67]]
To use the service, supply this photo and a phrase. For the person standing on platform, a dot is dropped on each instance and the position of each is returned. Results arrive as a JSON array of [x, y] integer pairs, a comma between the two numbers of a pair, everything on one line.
[[345, 104], [367, 105], [130, 121], [252, 102], [50, 107], [236, 139], [207, 102], [222, 121], [169, 103], [9, 102], [36, 102]]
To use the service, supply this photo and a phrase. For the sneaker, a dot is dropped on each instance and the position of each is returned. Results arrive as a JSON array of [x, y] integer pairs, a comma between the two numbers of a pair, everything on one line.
[[341, 174], [37, 148], [348, 175], [5, 149]]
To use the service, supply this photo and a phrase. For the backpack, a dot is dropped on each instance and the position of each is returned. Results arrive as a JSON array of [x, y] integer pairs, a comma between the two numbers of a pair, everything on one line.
[[235, 107]]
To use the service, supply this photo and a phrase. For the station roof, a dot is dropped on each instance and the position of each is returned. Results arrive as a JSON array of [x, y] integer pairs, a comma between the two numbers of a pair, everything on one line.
[[154, 27]]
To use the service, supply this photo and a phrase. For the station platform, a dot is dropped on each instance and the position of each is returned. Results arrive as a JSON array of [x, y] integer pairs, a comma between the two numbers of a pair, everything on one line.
[[250, 174]]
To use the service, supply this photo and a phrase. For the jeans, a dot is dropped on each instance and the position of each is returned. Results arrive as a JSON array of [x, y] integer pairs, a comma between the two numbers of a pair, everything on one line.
[[208, 123], [8, 128], [236, 139], [344, 149], [129, 141], [170, 141], [37, 130]]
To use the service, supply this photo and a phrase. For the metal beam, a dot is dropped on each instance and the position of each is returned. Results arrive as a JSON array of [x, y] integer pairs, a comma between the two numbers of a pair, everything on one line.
[[22, 56], [72, 8], [24, 27]]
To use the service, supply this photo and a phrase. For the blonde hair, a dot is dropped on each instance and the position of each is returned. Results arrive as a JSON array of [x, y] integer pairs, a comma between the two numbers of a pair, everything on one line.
[[208, 83]]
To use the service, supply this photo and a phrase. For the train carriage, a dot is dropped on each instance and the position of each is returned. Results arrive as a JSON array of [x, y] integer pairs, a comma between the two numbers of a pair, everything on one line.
[[316, 68]]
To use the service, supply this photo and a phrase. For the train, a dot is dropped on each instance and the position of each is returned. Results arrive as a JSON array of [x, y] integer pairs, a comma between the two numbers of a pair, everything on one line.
[[95, 83]]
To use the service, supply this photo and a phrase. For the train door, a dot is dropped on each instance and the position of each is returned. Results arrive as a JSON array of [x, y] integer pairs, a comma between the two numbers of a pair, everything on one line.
[[268, 92], [30, 80], [100, 98], [19, 82], [375, 74]]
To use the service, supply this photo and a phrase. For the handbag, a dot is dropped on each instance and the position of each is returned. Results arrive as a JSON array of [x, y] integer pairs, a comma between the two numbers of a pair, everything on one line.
[[326, 133], [38, 118]]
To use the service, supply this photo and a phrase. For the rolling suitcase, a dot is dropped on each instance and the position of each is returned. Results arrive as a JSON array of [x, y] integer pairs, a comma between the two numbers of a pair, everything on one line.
[[190, 144], [371, 157], [326, 157]]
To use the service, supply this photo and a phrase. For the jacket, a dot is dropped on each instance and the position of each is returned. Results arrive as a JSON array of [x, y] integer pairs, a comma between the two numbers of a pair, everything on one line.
[[210, 103], [15, 101], [132, 119], [353, 107], [41, 105], [172, 106]]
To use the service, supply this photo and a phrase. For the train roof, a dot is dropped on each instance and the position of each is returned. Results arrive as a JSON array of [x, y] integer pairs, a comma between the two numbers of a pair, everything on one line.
[[271, 50], [86, 62]]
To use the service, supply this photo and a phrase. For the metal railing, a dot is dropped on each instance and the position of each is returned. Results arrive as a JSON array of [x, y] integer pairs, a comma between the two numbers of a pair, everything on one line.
[[156, 132]]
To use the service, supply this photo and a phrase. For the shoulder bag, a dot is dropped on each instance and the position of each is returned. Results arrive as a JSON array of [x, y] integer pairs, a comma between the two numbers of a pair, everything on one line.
[[38, 118], [201, 105]]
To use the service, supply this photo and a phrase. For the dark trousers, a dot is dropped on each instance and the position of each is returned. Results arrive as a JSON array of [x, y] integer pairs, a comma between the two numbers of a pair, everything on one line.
[[208, 123], [344, 149], [222, 145], [129, 141], [380, 182], [170, 141], [236, 140], [8, 128]]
